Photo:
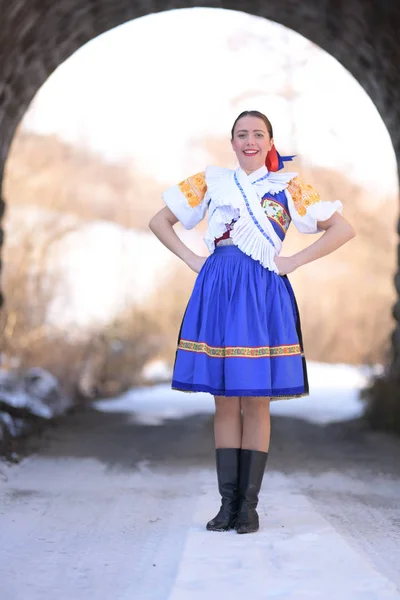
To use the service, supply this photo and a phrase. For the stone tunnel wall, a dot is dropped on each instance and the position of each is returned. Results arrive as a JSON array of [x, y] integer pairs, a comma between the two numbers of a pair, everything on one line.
[[38, 35]]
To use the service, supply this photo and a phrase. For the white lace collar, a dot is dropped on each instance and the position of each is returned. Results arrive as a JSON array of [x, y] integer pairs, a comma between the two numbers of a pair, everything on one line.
[[268, 182]]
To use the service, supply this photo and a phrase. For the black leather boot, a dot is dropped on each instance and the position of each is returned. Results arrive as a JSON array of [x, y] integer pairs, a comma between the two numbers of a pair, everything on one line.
[[228, 485], [252, 466]]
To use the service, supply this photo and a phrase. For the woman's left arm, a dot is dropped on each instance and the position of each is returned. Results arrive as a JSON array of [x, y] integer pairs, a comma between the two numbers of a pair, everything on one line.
[[338, 231]]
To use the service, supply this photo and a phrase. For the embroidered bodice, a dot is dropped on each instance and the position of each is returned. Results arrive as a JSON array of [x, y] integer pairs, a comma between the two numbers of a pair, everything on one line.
[[276, 209]]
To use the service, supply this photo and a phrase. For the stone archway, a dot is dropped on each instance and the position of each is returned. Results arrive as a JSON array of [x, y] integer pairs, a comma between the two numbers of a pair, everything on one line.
[[38, 35]]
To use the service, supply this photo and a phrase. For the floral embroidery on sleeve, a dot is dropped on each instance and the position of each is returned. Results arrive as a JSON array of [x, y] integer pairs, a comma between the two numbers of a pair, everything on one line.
[[194, 189], [303, 194]]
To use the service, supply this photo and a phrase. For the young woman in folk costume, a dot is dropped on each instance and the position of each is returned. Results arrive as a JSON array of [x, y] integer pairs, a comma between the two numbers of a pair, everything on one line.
[[240, 338]]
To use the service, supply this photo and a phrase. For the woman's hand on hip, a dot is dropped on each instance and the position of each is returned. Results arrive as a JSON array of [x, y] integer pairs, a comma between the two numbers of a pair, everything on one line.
[[285, 264], [196, 262]]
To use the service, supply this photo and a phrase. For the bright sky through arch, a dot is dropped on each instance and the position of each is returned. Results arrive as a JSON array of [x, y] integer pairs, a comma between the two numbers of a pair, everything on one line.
[[144, 90]]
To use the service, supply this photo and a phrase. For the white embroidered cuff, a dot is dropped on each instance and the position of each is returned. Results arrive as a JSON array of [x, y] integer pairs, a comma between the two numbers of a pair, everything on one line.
[[320, 211]]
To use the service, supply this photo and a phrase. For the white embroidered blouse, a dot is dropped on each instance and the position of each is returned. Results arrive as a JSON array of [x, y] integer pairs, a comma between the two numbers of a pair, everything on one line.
[[256, 208]]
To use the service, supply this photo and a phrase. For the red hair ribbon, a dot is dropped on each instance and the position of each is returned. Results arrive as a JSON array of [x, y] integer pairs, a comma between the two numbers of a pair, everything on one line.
[[274, 161]]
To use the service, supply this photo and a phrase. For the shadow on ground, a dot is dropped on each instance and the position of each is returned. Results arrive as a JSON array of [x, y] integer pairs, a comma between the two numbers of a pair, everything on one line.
[[119, 442]]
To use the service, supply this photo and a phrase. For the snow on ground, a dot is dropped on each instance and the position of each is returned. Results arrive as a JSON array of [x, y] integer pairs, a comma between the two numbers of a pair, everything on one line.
[[334, 394], [297, 555], [109, 508], [334, 397]]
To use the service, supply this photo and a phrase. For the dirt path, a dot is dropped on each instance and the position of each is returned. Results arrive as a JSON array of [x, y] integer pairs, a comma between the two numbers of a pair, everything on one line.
[[112, 509]]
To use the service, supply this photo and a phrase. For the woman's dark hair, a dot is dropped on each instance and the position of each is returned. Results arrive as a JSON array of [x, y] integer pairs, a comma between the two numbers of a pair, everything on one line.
[[254, 113]]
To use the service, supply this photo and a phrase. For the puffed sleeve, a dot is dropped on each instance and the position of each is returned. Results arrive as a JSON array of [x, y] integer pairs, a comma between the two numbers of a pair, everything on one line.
[[306, 207], [188, 200]]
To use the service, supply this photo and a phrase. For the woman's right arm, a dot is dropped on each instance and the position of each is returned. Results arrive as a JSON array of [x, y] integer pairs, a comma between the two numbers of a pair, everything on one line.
[[162, 225]]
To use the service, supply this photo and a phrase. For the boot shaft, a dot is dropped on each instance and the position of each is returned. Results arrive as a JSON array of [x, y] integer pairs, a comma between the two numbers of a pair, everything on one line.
[[252, 467], [228, 464], [228, 460]]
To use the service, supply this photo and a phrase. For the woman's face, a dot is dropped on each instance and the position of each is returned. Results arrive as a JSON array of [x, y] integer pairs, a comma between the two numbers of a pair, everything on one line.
[[251, 143]]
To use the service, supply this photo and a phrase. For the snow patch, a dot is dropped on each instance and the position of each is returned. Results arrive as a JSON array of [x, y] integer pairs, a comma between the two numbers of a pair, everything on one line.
[[334, 397]]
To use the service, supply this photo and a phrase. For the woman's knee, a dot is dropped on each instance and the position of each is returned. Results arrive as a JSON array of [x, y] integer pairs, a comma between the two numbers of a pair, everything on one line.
[[255, 406], [227, 405]]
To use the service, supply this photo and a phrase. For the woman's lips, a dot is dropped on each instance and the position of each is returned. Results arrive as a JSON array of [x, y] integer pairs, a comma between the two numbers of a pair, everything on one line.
[[250, 152]]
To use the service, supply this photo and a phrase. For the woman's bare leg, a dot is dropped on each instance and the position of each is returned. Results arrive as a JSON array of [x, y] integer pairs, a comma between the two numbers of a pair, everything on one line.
[[227, 422], [256, 423]]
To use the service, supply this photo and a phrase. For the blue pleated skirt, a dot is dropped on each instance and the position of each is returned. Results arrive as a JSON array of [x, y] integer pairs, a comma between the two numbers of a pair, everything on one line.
[[240, 335]]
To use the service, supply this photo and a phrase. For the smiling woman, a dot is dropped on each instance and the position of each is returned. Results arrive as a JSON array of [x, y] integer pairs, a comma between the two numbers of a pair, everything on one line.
[[250, 141], [256, 142], [240, 338]]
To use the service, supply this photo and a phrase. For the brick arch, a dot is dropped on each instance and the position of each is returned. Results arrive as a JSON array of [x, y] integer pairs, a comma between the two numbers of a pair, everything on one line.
[[38, 35]]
